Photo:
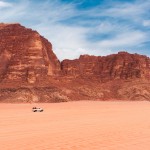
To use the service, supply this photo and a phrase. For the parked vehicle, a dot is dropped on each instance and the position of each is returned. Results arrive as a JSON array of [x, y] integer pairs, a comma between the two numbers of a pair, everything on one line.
[[35, 109]]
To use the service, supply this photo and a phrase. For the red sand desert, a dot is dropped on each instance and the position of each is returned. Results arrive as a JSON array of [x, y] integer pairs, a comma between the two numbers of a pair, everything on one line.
[[83, 125]]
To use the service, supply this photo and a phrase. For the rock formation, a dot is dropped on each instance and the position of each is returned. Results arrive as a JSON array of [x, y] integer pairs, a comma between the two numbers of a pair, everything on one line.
[[31, 72], [117, 66], [25, 55]]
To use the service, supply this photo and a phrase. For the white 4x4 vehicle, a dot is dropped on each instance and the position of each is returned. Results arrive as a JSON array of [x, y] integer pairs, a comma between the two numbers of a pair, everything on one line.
[[35, 109]]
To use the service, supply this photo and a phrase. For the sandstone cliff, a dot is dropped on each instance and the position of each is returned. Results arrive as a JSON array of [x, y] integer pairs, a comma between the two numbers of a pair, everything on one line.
[[25, 56], [117, 66], [31, 72]]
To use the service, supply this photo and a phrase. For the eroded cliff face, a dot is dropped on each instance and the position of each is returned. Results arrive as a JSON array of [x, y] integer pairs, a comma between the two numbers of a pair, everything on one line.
[[25, 56], [117, 66], [31, 72], [121, 76]]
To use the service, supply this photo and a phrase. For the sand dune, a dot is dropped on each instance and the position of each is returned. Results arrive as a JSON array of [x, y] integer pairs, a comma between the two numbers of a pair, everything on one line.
[[84, 125]]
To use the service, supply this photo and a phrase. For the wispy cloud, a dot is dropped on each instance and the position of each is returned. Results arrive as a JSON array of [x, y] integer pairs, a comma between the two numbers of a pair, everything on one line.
[[73, 30], [4, 4], [146, 23]]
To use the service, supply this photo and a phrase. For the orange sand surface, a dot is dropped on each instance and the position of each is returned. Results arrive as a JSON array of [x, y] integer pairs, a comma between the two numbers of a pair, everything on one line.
[[83, 125]]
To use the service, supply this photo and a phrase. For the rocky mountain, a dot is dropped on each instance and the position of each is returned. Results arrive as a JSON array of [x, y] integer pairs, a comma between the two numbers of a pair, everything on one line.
[[25, 55], [31, 72], [117, 66]]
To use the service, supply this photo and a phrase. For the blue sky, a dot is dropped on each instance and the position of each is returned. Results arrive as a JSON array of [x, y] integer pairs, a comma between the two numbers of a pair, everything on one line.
[[76, 27]]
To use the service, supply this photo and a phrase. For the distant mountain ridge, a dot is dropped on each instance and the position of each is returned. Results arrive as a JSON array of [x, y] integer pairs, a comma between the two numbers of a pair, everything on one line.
[[31, 72]]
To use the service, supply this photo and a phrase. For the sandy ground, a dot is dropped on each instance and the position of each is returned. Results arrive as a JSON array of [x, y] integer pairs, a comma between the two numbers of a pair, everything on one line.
[[84, 125]]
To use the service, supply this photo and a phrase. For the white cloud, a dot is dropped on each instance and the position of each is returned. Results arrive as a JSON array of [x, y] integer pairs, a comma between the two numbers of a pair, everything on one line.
[[126, 39], [16, 13], [146, 23], [52, 20], [5, 4]]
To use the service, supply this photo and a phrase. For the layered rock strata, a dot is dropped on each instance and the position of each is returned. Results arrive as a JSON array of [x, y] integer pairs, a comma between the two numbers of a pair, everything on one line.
[[31, 72], [117, 66], [25, 56]]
